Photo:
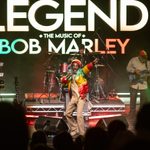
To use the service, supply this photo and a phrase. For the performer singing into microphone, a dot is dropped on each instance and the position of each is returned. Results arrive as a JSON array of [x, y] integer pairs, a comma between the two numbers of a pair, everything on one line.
[[78, 89]]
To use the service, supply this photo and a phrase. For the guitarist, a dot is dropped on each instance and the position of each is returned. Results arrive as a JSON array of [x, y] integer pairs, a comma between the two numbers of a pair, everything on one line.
[[138, 69]]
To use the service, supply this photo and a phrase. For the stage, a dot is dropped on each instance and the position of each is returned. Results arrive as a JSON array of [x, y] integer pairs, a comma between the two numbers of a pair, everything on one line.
[[40, 108], [39, 104]]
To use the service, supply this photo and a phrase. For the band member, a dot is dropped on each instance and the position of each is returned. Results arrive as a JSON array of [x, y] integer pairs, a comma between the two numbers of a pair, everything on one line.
[[82, 55], [99, 88], [78, 89], [138, 69]]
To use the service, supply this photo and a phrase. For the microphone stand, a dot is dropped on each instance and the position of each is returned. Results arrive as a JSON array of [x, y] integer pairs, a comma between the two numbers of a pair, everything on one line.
[[48, 85], [106, 55]]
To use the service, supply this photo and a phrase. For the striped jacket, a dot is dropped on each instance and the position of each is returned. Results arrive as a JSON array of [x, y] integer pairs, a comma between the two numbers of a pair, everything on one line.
[[80, 79]]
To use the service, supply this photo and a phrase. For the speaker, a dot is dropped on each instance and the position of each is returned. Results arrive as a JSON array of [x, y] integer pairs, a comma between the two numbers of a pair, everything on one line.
[[51, 125], [103, 123]]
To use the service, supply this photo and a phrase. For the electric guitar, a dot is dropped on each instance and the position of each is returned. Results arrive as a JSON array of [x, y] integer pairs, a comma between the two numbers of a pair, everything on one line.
[[138, 78]]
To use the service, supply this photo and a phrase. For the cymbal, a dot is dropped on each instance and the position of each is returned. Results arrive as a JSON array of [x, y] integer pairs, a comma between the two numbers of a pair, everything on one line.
[[94, 53], [52, 71], [99, 65], [53, 53], [74, 54]]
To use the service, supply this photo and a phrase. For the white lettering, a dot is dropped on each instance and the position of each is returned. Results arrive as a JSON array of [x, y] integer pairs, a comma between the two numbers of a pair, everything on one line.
[[20, 51], [32, 18], [34, 46], [123, 13], [11, 15], [93, 9], [69, 15]]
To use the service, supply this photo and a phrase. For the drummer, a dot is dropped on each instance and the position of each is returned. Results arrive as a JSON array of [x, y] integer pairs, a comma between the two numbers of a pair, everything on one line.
[[82, 56]]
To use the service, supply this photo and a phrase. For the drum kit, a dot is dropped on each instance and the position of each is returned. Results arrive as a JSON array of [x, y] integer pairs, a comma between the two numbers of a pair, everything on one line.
[[52, 82]]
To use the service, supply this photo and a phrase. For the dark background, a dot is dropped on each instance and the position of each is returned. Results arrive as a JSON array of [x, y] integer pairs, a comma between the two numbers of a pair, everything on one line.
[[30, 69]]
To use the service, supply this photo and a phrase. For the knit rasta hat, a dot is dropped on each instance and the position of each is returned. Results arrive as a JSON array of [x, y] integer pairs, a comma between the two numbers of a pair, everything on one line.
[[77, 61]]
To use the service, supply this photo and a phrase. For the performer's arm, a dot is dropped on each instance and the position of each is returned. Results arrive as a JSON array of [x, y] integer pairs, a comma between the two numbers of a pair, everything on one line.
[[87, 68], [66, 78], [130, 67]]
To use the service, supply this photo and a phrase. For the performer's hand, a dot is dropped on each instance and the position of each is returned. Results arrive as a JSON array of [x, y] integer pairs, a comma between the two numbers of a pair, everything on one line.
[[137, 72]]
